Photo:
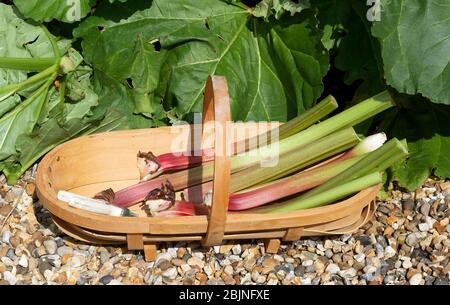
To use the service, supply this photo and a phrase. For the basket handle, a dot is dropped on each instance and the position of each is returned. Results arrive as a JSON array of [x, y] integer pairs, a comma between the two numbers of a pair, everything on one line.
[[216, 109]]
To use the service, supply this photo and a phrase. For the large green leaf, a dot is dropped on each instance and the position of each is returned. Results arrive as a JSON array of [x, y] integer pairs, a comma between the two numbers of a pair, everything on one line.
[[415, 39], [19, 38], [425, 126], [20, 120], [274, 70], [47, 10]]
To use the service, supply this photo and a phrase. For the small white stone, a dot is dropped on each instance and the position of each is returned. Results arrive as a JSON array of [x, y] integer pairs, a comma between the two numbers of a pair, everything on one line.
[[320, 247], [199, 255], [172, 252], [278, 258], [6, 236], [64, 250], [7, 261], [424, 227], [50, 246], [195, 261], [208, 270], [162, 256], [407, 264], [370, 269], [360, 257], [185, 267], [170, 273], [236, 249], [23, 261], [348, 273], [389, 252], [9, 277], [306, 281], [308, 263], [77, 261], [333, 268], [415, 279]]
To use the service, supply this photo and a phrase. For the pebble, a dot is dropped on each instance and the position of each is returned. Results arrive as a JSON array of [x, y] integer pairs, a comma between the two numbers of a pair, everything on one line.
[[105, 280], [425, 209], [408, 204], [50, 246], [23, 261], [348, 273], [416, 279], [170, 273], [104, 256], [424, 227], [412, 240], [10, 278], [332, 268], [6, 236], [236, 249], [195, 261], [64, 250]]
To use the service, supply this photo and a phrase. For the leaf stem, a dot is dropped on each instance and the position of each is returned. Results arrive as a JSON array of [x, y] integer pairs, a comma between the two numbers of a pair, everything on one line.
[[27, 64]]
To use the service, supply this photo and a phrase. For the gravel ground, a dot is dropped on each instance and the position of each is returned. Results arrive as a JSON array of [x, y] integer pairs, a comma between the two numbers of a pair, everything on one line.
[[407, 242]]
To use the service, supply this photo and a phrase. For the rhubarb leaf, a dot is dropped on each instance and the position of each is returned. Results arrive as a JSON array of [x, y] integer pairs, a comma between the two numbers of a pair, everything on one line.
[[47, 10], [274, 70], [20, 120], [19, 38], [425, 126], [415, 41]]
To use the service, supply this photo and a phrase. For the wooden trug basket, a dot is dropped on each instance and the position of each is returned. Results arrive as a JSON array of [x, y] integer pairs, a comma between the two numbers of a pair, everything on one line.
[[89, 164]]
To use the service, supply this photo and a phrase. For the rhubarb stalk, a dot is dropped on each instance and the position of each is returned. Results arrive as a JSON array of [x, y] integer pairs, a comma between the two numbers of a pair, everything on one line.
[[328, 196], [197, 175], [290, 159], [151, 166], [304, 180]]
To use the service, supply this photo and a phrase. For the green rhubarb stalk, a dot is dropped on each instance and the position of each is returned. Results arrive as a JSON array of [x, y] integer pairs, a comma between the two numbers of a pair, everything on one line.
[[27, 64], [39, 78], [328, 196], [349, 117], [308, 118], [379, 160], [296, 159], [53, 42]]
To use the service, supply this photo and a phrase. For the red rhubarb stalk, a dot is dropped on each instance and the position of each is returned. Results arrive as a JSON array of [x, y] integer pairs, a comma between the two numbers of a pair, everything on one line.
[[184, 208]]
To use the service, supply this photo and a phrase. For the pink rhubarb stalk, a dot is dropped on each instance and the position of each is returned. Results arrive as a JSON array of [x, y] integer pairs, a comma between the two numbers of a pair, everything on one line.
[[151, 166], [184, 208]]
